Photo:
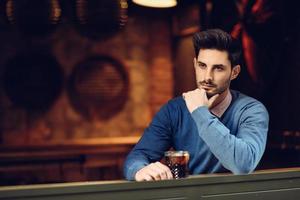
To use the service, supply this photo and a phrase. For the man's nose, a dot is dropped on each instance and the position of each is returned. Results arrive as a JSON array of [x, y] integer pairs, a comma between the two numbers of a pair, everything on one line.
[[208, 75]]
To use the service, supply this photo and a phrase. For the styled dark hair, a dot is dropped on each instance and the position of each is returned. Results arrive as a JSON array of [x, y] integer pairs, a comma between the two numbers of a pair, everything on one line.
[[219, 40]]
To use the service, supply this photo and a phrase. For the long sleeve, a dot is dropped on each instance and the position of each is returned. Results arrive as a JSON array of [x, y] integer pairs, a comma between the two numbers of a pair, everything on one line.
[[241, 151], [151, 147]]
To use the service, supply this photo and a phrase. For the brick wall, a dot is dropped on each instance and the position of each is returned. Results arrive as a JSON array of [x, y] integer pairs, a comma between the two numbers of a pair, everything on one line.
[[144, 48]]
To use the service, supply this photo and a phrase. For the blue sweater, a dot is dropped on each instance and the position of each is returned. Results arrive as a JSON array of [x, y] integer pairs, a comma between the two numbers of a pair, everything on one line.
[[234, 142]]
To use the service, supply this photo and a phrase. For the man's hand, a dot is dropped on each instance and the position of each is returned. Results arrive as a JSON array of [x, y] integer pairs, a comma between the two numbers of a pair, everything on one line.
[[154, 171], [197, 98]]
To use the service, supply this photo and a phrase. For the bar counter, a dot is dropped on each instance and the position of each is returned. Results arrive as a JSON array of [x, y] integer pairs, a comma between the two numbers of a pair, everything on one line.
[[273, 184]]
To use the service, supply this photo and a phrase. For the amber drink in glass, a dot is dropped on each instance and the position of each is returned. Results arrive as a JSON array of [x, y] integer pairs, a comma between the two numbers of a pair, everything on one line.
[[177, 161]]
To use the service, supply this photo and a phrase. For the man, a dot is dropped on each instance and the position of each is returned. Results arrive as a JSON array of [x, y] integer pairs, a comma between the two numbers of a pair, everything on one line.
[[223, 130]]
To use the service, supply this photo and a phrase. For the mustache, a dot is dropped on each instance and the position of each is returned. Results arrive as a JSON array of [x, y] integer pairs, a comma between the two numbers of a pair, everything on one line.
[[207, 83]]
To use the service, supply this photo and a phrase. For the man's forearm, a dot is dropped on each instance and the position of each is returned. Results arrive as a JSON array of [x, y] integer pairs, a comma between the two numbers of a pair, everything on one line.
[[236, 154]]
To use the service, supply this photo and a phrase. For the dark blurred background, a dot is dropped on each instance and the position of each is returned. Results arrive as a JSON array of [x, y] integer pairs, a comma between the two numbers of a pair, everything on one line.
[[81, 79]]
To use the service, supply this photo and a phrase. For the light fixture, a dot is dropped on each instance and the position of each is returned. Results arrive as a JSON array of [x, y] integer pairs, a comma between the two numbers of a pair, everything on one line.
[[156, 3]]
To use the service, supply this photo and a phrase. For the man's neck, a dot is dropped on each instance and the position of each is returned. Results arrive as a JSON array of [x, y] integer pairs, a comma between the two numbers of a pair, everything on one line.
[[221, 103], [220, 98]]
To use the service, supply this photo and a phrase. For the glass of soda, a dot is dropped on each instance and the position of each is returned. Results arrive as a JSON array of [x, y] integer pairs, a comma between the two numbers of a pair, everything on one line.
[[177, 161]]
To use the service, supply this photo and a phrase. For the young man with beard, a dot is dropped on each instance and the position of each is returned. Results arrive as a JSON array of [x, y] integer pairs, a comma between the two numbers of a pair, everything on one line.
[[223, 130]]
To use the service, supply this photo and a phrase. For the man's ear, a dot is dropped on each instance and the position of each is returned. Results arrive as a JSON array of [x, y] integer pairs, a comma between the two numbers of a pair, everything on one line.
[[235, 72], [195, 63]]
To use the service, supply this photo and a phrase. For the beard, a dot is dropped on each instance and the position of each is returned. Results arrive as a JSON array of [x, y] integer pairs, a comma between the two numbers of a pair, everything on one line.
[[212, 88]]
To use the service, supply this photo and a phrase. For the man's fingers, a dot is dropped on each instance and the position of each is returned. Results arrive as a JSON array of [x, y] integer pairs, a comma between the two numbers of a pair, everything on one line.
[[212, 100], [148, 178], [195, 98], [154, 171], [159, 171], [166, 170], [144, 174]]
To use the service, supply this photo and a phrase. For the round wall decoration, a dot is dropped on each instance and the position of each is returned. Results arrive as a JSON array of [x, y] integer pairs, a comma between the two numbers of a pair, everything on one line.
[[33, 17], [98, 87], [33, 81], [100, 19]]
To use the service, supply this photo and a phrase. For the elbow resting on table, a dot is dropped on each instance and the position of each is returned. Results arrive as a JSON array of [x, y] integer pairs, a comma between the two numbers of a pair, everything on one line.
[[242, 171], [244, 168]]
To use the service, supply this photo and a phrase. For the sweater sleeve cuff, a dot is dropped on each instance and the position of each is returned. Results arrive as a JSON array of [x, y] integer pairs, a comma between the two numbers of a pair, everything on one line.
[[204, 119], [202, 114], [134, 168]]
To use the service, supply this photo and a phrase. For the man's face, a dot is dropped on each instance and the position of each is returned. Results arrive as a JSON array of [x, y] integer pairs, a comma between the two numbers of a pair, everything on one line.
[[214, 72]]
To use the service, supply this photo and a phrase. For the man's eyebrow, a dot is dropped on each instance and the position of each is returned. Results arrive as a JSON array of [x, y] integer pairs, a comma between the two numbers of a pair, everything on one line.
[[219, 65], [215, 65], [199, 62]]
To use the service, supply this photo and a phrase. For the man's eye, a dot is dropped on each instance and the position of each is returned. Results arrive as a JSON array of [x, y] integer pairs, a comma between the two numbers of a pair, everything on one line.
[[219, 68], [201, 65]]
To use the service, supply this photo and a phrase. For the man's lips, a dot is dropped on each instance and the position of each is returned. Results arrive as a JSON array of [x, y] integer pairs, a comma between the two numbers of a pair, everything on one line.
[[207, 86]]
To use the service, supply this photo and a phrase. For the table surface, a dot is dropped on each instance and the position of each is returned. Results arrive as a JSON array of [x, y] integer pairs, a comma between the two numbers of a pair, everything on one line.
[[274, 183]]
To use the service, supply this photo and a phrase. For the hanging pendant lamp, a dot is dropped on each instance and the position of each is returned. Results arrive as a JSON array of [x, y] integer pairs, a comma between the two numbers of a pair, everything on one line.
[[156, 3]]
